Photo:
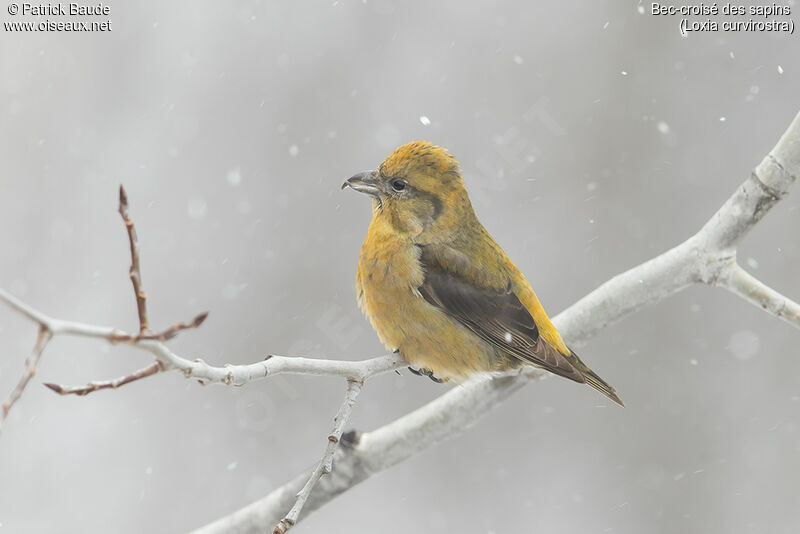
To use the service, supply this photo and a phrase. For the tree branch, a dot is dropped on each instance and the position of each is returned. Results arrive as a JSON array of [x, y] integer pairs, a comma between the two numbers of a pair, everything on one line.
[[325, 465], [91, 387], [30, 369], [135, 272], [229, 375], [740, 282], [165, 335], [165, 359], [705, 257]]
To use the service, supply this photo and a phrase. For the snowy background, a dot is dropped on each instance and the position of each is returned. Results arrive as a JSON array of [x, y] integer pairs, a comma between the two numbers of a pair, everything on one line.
[[592, 136]]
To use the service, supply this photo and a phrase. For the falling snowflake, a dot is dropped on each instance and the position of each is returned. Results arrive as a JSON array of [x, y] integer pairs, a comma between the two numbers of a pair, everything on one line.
[[425, 120], [196, 208], [234, 176], [744, 344], [232, 291], [244, 207]]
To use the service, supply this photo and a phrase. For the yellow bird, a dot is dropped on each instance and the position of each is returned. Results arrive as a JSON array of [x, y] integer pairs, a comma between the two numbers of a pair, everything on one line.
[[437, 287]]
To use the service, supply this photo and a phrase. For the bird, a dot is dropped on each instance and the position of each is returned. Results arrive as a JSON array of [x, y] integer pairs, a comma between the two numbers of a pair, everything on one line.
[[436, 286]]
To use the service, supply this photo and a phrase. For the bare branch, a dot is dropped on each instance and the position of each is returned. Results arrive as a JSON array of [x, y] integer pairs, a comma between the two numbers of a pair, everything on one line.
[[441, 419], [135, 272], [325, 465], [53, 327], [238, 375], [701, 258], [91, 387], [229, 375], [754, 291], [165, 335], [17, 305], [30, 369]]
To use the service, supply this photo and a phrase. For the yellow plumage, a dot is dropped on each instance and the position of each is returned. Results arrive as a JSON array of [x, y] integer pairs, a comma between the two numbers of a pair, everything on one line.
[[438, 288]]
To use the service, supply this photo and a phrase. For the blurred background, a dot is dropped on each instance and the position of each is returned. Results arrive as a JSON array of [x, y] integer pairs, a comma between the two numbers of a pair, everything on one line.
[[592, 136]]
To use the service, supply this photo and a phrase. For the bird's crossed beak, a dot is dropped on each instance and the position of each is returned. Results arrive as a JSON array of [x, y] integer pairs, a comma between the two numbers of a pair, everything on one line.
[[364, 182]]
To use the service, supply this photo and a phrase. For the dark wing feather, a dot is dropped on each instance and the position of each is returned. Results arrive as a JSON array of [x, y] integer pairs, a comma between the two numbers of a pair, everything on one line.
[[495, 315]]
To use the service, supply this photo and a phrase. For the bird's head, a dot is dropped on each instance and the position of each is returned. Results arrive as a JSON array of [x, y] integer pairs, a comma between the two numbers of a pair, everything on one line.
[[419, 188]]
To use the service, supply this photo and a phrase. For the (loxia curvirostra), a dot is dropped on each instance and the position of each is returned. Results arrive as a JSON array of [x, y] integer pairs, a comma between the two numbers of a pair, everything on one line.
[[437, 287]]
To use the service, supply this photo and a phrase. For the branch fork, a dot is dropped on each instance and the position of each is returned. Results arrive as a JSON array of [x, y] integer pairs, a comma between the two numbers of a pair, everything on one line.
[[49, 327]]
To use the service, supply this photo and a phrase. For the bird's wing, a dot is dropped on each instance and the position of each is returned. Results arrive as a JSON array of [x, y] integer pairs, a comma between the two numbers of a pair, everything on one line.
[[495, 314]]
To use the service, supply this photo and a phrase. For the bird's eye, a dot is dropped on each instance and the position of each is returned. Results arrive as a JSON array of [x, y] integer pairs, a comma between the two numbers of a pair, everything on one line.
[[398, 185]]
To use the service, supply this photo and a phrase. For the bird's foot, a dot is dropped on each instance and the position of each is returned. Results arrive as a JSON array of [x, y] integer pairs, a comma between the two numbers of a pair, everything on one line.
[[435, 379], [428, 373], [414, 371], [350, 439]]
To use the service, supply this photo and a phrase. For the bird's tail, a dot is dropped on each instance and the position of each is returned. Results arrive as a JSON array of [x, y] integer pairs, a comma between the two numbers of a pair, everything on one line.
[[595, 381]]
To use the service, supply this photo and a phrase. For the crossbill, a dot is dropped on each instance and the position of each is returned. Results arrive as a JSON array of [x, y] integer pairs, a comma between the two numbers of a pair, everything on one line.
[[438, 289]]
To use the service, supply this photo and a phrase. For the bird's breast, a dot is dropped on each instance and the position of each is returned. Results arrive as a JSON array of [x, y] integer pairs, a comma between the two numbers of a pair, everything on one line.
[[388, 281], [389, 274]]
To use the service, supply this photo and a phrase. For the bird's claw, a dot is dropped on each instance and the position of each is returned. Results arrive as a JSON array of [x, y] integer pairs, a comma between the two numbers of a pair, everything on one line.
[[426, 372]]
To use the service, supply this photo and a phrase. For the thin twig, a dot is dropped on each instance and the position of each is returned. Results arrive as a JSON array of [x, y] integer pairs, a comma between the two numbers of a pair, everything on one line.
[[30, 369], [50, 327], [229, 375], [325, 465], [753, 290], [135, 271], [91, 387], [163, 336], [25, 309]]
